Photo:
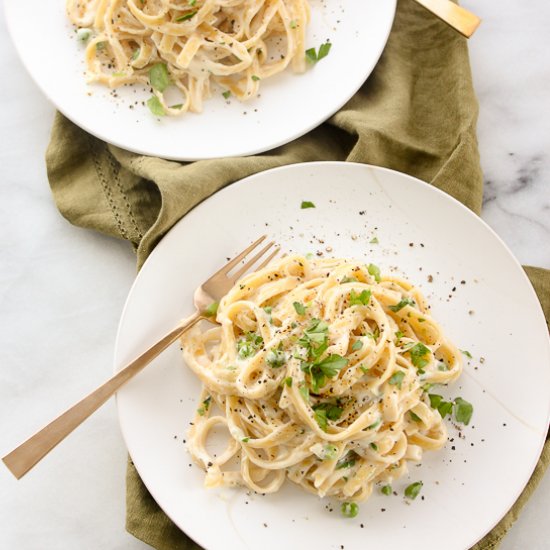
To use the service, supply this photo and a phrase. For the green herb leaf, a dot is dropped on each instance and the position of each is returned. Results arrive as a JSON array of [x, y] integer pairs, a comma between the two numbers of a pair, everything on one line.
[[330, 452], [245, 439], [445, 408], [362, 299], [268, 309], [276, 358], [187, 16], [136, 53], [155, 106], [212, 309], [374, 240], [192, 2], [293, 24], [304, 392], [373, 446], [404, 302], [300, 308], [255, 78], [311, 55], [101, 45], [324, 50], [348, 280], [159, 77], [418, 353], [374, 270], [320, 416], [307, 204], [375, 425], [435, 400], [205, 406], [288, 381], [415, 417], [467, 353], [358, 344], [332, 364], [226, 94], [463, 411], [386, 490], [331, 410], [249, 344], [413, 490], [347, 462], [350, 509], [397, 379], [364, 369]]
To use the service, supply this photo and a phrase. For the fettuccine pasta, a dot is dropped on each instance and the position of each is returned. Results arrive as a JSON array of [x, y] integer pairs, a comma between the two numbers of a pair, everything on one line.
[[191, 44], [319, 372]]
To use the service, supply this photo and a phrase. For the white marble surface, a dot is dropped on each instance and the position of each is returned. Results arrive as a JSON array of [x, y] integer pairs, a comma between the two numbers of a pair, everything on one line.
[[62, 288]]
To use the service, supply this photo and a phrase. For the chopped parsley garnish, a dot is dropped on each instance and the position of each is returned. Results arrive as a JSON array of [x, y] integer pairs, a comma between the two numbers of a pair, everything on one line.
[[375, 425], [374, 240], [404, 302], [415, 417], [330, 452], [255, 78], [187, 16], [398, 335], [276, 358], [362, 299], [358, 344], [373, 446], [348, 280], [192, 2], [268, 309], [307, 204], [313, 56], [364, 369], [101, 45], [463, 411], [245, 439], [159, 77], [205, 406], [300, 308], [374, 270], [293, 24], [386, 490], [467, 353], [347, 462], [136, 53], [321, 370], [155, 106], [397, 379], [249, 344], [418, 353], [413, 490], [288, 381], [226, 94], [350, 509], [445, 408], [212, 309], [304, 392]]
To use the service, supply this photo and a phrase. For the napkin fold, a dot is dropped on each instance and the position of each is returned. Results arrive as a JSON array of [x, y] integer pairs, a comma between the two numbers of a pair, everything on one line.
[[416, 113]]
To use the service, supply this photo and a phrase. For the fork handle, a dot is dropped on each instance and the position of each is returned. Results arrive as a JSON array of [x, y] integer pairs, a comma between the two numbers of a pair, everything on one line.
[[34, 449], [460, 19]]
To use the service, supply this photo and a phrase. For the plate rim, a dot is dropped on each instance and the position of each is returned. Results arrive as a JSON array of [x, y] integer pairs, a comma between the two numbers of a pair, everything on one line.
[[345, 164], [244, 153]]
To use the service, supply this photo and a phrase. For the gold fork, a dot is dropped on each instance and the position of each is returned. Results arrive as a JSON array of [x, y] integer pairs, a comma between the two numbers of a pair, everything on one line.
[[30, 452], [460, 19]]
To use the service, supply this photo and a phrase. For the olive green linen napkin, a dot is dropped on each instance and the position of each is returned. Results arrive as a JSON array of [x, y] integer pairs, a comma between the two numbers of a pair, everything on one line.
[[417, 114]]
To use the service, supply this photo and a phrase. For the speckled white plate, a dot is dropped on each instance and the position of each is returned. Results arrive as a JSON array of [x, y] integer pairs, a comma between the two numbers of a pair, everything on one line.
[[290, 105], [478, 292]]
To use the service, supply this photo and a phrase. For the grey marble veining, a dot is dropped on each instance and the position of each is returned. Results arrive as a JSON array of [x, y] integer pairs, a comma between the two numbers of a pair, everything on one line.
[[56, 343]]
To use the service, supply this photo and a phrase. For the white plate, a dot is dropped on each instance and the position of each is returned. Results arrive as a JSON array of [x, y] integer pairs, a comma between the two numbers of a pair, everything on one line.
[[290, 105], [468, 485]]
